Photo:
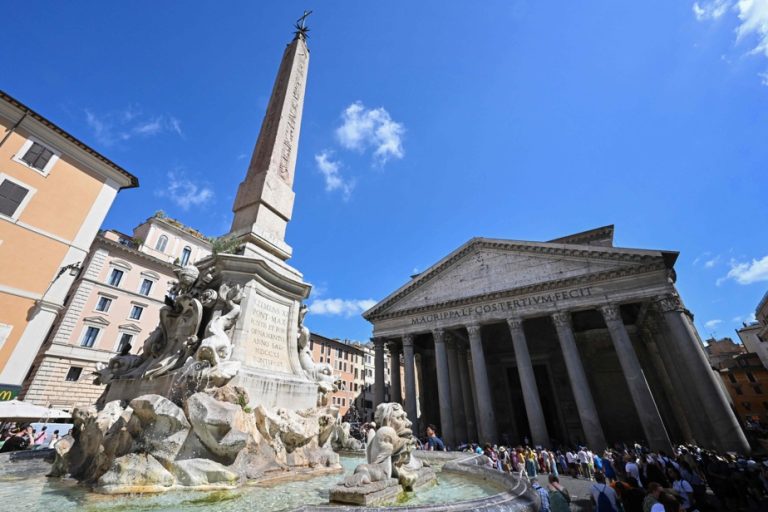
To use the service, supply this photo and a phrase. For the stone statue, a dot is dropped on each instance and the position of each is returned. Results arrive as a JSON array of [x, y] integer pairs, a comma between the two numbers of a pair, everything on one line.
[[176, 342], [322, 373], [389, 451], [342, 439], [216, 347]]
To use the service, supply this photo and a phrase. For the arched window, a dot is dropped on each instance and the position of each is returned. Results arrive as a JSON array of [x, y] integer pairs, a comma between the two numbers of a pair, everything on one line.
[[185, 254], [161, 243]]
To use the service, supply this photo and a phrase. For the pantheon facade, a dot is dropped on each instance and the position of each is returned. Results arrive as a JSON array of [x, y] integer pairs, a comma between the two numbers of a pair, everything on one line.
[[561, 342]]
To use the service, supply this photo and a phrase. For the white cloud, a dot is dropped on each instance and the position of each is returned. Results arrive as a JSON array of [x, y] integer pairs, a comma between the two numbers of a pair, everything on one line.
[[710, 10], [712, 262], [364, 128], [340, 307], [747, 272], [754, 22], [116, 126], [333, 178], [184, 192], [711, 324]]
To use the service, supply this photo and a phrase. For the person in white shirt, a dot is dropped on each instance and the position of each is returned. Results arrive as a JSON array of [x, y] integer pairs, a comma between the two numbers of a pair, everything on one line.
[[584, 463], [633, 470], [572, 463]]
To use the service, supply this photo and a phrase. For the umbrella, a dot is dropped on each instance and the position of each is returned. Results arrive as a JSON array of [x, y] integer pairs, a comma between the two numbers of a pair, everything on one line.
[[16, 410]]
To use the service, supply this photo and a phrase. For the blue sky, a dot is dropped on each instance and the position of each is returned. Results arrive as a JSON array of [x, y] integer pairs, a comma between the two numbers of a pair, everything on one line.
[[428, 123]]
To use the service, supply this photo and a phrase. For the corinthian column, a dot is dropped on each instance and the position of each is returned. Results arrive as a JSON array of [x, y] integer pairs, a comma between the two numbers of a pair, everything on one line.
[[590, 421], [410, 380], [487, 419], [467, 398], [378, 361], [695, 365], [459, 420], [394, 363], [444, 388], [533, 408], [650, 419]]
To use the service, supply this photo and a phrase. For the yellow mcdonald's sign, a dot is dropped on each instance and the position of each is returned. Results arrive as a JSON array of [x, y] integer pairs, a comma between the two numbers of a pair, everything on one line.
[[8, 392]]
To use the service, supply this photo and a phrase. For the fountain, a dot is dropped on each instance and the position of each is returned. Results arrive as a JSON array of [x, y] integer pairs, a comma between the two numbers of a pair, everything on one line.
[[225, 403]]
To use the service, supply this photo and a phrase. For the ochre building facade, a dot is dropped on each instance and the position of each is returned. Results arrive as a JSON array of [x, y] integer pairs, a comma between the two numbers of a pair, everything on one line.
[[54, 194]]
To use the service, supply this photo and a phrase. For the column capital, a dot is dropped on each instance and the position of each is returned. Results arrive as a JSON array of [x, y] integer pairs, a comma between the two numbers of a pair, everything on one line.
[[408, 340], [669, 302], [610, 312], [438, 335], [515, 323], [393, 347], [378, 342], [473, 330], [562, 319]]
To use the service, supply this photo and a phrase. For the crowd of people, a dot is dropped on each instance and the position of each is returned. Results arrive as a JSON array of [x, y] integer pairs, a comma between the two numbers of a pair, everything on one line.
[[633, 478], [24, 437]]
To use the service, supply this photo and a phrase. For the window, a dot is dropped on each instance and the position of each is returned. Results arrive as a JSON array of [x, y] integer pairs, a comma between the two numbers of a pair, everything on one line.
[[12, 196], [125, 340], [161, 243], [103, 304], [5, 332], [732, 378], [311, 344], [747, 405], [115, 277], [136, 312], [758, 389], [73, 374], [738, 391], [750, 377], [89, 338], [146, 286], [185, 254], [37, 156]]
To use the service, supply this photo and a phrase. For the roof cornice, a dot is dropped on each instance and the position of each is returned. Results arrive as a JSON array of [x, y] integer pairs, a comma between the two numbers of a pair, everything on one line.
[[134, 252], [643, 259], [21, 109]]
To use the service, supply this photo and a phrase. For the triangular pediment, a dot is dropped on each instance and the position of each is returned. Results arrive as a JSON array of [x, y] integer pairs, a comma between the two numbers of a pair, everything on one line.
[[130, 327], [97, 320], [486, 266]]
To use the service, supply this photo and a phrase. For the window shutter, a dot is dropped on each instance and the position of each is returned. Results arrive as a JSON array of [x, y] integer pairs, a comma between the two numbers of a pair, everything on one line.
[[33, 153], [11, 196]]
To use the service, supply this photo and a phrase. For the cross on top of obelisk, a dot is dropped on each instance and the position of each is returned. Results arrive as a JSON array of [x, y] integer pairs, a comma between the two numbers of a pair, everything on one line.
[[301, 26]]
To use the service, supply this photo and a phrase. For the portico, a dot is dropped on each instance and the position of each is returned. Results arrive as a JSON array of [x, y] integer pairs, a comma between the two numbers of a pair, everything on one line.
[[567, 341]]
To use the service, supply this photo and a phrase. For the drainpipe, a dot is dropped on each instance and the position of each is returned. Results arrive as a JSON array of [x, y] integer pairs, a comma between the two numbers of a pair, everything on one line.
[[13, 128]]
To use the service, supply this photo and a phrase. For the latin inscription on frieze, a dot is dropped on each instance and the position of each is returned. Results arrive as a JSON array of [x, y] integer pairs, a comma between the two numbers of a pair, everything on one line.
[[268, 335], [507, 306]]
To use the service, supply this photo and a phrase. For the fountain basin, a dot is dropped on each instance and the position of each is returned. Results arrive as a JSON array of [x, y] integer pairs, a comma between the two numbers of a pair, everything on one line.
[[462, 484]]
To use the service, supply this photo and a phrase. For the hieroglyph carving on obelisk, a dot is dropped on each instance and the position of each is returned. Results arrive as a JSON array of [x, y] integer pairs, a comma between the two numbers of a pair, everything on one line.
[[265, 198]]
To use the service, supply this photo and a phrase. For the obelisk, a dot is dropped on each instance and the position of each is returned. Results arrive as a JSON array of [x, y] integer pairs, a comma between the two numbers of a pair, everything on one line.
[[264, 202]]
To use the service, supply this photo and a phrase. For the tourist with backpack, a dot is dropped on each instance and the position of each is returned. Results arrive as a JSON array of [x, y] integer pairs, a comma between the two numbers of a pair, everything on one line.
[[683, 488], [559, 497], [543, 495], [604, 496]]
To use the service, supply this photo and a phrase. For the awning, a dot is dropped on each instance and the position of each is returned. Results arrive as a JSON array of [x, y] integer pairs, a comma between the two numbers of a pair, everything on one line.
[[16, 410]]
